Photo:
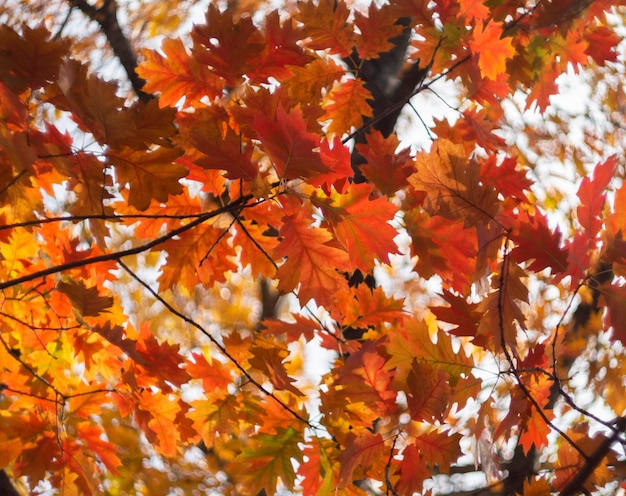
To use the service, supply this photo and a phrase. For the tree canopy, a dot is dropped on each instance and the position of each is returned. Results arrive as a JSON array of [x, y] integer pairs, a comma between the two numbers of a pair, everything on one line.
[[333, 248]]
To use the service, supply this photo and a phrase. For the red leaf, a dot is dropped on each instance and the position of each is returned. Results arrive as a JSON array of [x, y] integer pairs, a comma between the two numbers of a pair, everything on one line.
[[592, 196], [385, 167], [443, 247], [228, 47], [463, 315], [363, 451], [506, 178], [361, 225], [290, 145], [313, 259], [428, 392], [176, 74], [535, 241]]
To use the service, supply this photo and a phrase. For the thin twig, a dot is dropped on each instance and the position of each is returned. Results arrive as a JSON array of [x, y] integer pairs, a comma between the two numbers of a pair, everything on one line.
[[116, 256], [216, 343]]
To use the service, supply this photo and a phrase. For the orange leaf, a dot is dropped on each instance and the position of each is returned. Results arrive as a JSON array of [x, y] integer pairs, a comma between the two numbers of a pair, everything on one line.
[[385, 167], [197, 256], [313, 260], [443, 248], [228, 47], [361, 451], [361, 225], [149, 175], [176, 75], [290, 145], [269, 359], [326, 25], [377, 30], [86, 301], [346, 105], [492, 50], [428, 392]]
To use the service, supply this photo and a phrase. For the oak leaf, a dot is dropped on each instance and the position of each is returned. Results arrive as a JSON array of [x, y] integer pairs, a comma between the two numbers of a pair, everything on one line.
[[313, 259], [362, 451], [268, 458], [289, 144], [346, 105], [149, 175], [176, 75]]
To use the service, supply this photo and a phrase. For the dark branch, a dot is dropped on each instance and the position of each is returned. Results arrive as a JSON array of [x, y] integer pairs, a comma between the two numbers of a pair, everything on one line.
[[106, 17]]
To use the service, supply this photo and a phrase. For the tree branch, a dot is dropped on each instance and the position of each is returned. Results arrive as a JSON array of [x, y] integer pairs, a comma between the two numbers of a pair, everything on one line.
[[106, 17]]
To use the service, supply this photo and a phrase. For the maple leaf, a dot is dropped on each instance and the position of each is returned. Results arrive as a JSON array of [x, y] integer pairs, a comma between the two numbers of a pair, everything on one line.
[[313, 260], [163, 362], [94, 105], [176, 75], [601, 44], [439, 447], [268, 458], [501, 309], [535, 241], [365, 307], [214, 375], [357, 221], [149, 175], [281, 51], [157, 415], [412, 471], [492, 50], [505, 177], [346, 105], [115, 335], [31, 58], [290, 145], [187, 258], [308, 81], [222, 148], [592, 196], [465, 316]]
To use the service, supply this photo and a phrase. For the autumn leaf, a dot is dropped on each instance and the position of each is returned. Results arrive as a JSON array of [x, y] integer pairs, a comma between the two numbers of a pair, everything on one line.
[[427, 391], [444, 248], [269, 359], [492, 49], [453, 185], [269, 457], [346, 105], [228, 47], [149, 175], [86, 301], [325, 24], [290, 145], [384, 166], [313, 260], [377, 29], [177, 75], [351, 217], [362, 452]]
